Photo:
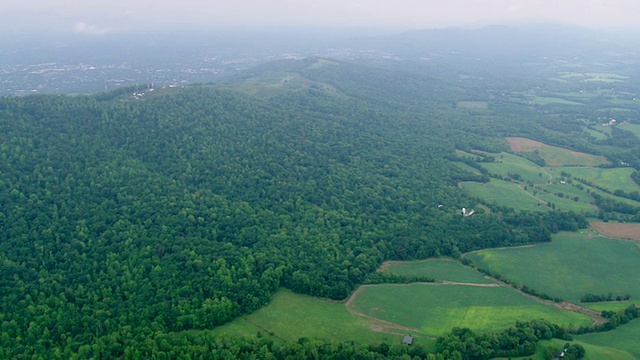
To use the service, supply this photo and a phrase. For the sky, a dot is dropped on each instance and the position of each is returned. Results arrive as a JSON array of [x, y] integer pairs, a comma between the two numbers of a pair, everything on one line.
[[98, 17]]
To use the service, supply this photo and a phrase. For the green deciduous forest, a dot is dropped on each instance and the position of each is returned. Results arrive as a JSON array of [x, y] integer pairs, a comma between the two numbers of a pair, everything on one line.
[[125, 221]]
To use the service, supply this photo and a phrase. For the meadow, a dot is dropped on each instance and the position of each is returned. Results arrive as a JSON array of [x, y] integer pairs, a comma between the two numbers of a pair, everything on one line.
[[556, 156], [434, 309], [291, 316], [592, 351], [438, 269], [610, 179], [505, 193], [624, 339], [513, 164], [572, 265]]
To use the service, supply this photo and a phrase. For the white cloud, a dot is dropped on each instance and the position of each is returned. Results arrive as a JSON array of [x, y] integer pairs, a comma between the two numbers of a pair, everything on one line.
[[84, 28]]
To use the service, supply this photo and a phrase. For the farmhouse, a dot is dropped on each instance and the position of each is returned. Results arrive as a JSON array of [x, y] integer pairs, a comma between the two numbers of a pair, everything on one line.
[[407, 340]]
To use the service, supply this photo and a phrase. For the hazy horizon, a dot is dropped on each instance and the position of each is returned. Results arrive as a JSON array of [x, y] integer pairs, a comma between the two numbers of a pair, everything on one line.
[[94, 17]]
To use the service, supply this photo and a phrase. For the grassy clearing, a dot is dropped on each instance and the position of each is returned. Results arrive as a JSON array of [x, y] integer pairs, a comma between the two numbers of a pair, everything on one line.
[[555, 156], [553, 100], [513, 164], [596, 134], [504, 193], [435, 309], [572, 265], [466, 167], [609, 305], [623, 339], [592, 352], [473, 105], [634, 128], [291, 316], [438, 269], [610, 179]]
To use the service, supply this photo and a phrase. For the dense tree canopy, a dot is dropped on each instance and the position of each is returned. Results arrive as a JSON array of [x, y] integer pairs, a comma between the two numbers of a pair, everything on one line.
[[123, 218]]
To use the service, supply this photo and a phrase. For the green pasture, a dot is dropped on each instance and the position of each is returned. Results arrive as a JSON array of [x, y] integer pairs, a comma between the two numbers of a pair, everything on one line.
[[567, 204], [624, 339], [291, 316], [605, 77], [556, 156], [273, 84], [434, 310], [610, 179], [438, 269], [597, 134], [572, 265], [473, 105], [610, 305], [543, 100], [513, 164], [504, 193], [466, 167], [634, 128], [592, 352]]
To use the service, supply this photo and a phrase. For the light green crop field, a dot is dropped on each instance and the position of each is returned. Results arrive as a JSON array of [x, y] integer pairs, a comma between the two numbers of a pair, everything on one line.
[[567, 204], [291, 316], [512, 164], [466, 167], [634, 128], [610, 179], [504, 193], [624, 338], [592, 352], [555, 156], [610, 305], [572, 265], [434, 310], [438, 269], [473, 105], [554, 100], [605, 77], [597, 134]]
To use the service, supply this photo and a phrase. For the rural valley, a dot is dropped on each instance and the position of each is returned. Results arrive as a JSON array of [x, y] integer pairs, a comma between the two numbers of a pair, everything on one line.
[[436, 194]]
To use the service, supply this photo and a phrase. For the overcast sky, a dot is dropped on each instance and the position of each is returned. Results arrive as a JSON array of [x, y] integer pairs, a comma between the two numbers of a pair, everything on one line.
[[104, 16]]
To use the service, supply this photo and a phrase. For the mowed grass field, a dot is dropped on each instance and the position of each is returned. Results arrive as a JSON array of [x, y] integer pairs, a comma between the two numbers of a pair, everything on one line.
[[291, 316], [504, 193], [438, 269], [572, 265], [555, 156], [513, 164], [592, 352], [610, 179], [434, 310], [625, 338]]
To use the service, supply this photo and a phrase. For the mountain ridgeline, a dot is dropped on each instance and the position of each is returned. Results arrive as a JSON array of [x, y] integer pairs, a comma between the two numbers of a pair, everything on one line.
[[185, 209]]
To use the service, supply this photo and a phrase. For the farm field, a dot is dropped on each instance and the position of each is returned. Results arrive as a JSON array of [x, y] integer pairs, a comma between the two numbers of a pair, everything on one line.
[[634, 128], [507, 164], [466, 167], [438, 269], [573, 265], [505, 193], [610, 179], [433, 310], [592, 352], [323, 319], [555, 156], [624, 338], [542, 100]]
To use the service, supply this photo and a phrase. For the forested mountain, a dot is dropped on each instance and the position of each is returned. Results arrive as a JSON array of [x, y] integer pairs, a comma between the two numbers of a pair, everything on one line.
[[124, 219]]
